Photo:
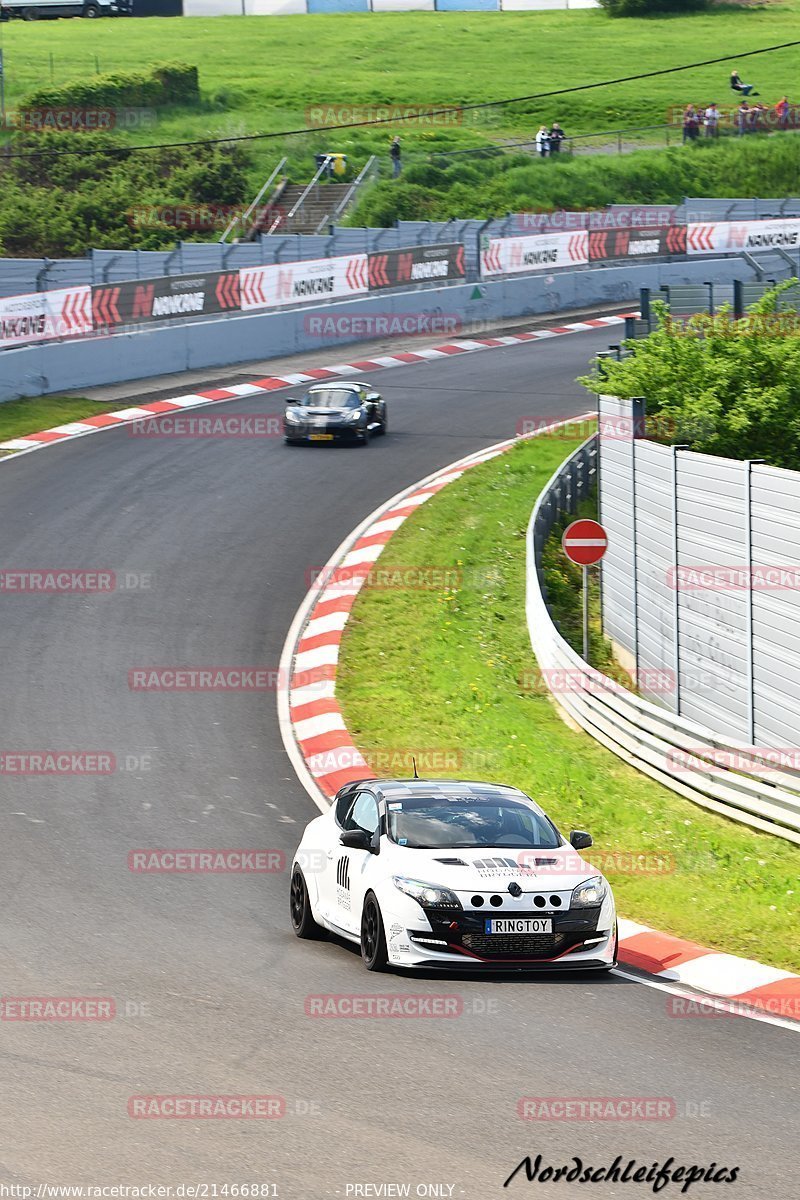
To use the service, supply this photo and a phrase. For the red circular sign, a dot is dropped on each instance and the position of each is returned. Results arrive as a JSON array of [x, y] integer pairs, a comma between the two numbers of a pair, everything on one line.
[[584, 542]]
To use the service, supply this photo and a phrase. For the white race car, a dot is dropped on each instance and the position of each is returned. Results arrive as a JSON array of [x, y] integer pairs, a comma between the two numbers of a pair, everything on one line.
[[434, 873]]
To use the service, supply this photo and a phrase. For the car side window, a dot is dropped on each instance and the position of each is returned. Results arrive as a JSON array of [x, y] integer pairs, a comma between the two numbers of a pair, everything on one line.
[[363, 814], [343, 806]]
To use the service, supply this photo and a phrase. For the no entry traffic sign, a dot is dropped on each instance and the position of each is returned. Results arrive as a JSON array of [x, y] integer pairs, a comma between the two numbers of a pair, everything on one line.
[[584, 542]]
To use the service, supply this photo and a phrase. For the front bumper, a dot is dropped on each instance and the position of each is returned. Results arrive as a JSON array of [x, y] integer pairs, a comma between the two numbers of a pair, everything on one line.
[[306, 432], [580, 940]]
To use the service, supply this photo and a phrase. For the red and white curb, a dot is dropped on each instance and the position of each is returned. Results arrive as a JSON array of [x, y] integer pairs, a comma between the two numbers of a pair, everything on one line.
[[325, 757], [271, 383]]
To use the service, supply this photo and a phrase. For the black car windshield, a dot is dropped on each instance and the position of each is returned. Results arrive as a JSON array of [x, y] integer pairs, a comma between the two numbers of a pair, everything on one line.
[[332, 398], [460, 822]]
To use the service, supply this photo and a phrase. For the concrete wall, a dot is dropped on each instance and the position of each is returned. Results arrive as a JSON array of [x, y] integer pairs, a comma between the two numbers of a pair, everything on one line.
[[56, 367]]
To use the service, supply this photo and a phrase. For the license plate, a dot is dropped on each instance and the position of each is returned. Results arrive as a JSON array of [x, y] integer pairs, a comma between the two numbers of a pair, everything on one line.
[[321, 437], [518, 925]]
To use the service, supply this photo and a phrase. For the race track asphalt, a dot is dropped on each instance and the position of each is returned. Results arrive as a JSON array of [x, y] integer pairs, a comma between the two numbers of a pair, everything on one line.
[[208, 980]]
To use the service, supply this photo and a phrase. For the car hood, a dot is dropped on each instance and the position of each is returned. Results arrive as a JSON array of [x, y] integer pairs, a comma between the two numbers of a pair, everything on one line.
[[307, 410], [492, 869]]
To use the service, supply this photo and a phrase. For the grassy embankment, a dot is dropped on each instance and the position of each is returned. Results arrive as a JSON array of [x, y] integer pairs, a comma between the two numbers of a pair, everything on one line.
[[452, 670]]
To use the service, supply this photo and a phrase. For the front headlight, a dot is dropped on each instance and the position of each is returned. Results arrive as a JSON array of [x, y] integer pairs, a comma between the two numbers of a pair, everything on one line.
[[354, 416], [426, 894], [291, 417], [590, 892]]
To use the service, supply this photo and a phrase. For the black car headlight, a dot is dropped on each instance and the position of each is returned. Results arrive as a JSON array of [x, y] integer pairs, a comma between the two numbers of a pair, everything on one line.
[[429, 895], [590, 893], [291, 417]]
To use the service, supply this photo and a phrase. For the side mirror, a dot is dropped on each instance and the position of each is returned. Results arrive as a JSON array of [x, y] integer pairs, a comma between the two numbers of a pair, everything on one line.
[[580, 840], [358, 839], [292, 400], [373, 397]]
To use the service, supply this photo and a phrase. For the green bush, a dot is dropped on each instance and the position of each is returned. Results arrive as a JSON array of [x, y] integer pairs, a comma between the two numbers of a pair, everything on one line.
[[164, 83], [647, 8], [722, 386], [66, 204]]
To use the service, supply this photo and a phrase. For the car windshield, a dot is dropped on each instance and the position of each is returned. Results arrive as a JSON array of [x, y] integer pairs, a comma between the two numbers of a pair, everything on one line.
[[460, 822], [332, 398]]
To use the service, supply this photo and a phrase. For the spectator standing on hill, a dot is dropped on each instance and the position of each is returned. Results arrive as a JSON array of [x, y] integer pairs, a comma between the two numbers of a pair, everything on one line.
[[395, 152], [689, 123], [743, 88], [711, 120], [742, 118], [556, 137], [543, 142], [782, 113]]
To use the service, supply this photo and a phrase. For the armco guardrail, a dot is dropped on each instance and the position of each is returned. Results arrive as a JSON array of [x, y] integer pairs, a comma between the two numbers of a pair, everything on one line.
[[514, 254], [646, 736], [105, 308], [209, 343]]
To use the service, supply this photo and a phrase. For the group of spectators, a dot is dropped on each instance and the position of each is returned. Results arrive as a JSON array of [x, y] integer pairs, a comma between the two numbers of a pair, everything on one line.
[[548, 141], [746, 118]]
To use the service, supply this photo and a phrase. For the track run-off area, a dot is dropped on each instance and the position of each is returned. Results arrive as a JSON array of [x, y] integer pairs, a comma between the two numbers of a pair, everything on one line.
[[213, 543]]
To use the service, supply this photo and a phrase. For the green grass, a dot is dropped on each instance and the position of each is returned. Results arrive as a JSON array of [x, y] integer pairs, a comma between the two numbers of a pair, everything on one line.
[[19, 417], [260, 74], [448, 670], [494, 186]]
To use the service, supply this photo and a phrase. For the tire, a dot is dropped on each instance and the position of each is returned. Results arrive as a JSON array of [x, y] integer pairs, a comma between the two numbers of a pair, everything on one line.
[[91, 10], [364, 439], [373, 936], [303, 923], [384, 424]]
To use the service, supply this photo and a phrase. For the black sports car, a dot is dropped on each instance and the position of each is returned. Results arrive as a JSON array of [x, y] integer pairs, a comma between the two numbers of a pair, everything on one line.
[[335, 412]]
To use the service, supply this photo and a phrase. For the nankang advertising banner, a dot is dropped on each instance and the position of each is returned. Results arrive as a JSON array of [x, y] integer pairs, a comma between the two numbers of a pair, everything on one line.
[[437, 263], [732, 237], [540, 252], [45, 316], [303, 282], [164, 298], [637, 243]]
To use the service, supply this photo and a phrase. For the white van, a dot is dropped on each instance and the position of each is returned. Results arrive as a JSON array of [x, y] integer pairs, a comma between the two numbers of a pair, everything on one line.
[[35, 10]]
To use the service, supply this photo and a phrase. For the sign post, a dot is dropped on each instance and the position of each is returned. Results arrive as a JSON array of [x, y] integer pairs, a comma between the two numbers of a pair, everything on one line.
[[585, 542]]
